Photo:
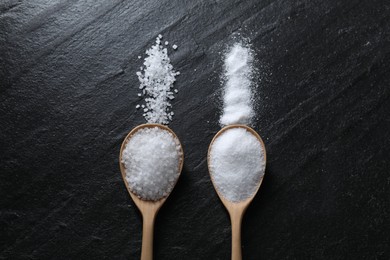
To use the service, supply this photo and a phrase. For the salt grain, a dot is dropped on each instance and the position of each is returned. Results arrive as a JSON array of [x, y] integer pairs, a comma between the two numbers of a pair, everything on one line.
[[152, 158], [156, 80], [174, 46], [237, 99], [237, 164]]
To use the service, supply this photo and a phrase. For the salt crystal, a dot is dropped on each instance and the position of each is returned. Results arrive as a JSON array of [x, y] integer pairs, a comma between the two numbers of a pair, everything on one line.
[[139, 94], [237, 164], [152, 158], [166, 43], [139, 57], [174, 46], [160, 36], [137, 106]]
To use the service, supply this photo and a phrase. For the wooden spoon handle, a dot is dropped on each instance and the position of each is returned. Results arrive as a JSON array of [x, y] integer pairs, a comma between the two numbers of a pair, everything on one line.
[[236, 219], [147, 236]]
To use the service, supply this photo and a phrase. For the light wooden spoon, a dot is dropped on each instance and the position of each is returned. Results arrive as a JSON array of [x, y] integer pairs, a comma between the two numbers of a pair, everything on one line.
[[236, 209], [148, 208]]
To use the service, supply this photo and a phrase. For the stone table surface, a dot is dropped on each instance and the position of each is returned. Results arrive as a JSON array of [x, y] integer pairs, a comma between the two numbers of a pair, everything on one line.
[[67, 99]]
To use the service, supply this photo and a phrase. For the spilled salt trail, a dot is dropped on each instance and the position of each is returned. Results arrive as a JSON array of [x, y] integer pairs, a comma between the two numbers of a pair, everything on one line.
[[156, 83], [237, 164], [152, 158], [237, 98]]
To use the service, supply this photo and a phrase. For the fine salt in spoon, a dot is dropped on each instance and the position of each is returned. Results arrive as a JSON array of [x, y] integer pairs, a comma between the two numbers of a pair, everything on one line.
[[148, 208], [236, 209]]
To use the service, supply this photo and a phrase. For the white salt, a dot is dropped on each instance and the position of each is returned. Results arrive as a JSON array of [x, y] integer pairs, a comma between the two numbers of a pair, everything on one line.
[[156, 81], [174, 46], [152, 158], [237, 164], [166, 42], [237, 98]]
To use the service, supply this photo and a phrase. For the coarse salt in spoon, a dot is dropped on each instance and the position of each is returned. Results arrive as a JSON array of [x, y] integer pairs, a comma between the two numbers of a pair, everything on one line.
[[236, 161], [150, 160]]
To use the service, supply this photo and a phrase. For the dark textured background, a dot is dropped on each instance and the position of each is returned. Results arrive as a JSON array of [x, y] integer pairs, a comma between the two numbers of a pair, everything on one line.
[[68, 96]]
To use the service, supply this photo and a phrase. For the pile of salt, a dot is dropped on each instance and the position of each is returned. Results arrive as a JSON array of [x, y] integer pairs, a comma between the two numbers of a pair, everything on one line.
[[152, 158], [237, 164], [156, 82], [237, 99]]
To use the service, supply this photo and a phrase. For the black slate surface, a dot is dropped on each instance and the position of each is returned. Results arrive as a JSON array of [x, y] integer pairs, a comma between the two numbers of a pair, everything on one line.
[[68, 96]]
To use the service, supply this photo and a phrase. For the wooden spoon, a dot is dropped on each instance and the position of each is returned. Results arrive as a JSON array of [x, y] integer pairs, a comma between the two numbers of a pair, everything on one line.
[[148, 208], [236, 209]]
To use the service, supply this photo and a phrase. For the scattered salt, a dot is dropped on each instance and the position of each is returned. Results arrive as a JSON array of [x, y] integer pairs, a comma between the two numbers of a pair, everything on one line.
[[174, 46], [139, 94], [237, 99], [156, 81], [151, 158], [237, 164], [166, 42], [137, 106]]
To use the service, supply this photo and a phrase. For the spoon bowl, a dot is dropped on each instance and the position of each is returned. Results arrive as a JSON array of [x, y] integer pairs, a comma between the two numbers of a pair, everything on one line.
[[148, 208], [236, 210]]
